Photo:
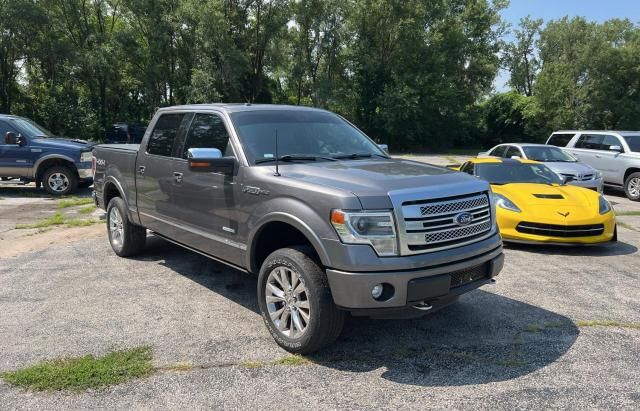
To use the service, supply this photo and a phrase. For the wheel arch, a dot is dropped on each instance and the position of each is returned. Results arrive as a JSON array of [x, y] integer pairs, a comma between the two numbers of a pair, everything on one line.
[[628, 172], [279, 230], [52, 160]]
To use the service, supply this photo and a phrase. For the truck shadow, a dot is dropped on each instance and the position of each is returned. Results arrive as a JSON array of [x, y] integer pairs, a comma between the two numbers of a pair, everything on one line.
[[482, 338]]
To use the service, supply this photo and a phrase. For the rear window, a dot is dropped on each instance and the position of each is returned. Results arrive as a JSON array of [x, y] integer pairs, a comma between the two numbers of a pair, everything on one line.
[[633, 142], [560, 140]]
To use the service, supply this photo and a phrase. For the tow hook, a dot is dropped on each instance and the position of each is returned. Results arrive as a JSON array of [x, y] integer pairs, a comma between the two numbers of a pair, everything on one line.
[[423, 306]]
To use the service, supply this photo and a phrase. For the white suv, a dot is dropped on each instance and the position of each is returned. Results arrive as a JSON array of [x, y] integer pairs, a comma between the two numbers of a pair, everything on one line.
[[616, 154]]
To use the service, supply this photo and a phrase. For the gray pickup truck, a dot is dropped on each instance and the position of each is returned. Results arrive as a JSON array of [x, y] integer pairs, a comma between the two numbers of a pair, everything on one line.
[[299, 196]]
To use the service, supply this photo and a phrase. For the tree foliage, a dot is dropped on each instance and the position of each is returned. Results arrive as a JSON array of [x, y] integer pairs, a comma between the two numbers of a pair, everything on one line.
[[415, 74]]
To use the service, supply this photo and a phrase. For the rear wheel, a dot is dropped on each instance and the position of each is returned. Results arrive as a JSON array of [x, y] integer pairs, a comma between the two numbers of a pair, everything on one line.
[[59, 180], [126, 238], [632, 187], [296, 303]]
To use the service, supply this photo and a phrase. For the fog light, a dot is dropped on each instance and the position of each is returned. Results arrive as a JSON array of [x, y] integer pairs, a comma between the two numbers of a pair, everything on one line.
[[376, 291]]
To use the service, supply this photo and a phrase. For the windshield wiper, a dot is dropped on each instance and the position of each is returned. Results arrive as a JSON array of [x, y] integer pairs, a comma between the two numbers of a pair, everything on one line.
[[357, 155], [293, 157]]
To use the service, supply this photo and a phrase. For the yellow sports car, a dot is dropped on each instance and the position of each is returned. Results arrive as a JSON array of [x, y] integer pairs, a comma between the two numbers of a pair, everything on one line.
[[533, 204]]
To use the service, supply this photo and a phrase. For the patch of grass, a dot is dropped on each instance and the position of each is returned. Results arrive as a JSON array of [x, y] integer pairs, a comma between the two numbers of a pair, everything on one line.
[[252, 364], [625, 225], [74, 201], [181, 367], [88, 209], [292, 360], [78, 222], [607, 323], [84, 372], [56, 219], [631, 213], [534, 328]]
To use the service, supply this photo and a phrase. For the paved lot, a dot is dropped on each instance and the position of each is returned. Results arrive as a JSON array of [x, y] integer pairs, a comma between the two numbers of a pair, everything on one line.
[[531, 341]]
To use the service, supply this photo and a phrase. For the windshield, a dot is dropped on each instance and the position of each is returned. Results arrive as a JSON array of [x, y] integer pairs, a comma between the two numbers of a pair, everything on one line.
[[313, 134], [633, 142], [30, 128], [516, 172], [546, 154]]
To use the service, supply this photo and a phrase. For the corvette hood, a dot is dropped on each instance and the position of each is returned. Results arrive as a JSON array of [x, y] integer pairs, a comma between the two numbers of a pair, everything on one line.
[[528, 194]]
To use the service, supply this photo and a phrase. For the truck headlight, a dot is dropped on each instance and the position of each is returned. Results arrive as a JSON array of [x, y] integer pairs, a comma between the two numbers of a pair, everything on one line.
[[604, 206], [376, 228], [85, 156], [504, 202]]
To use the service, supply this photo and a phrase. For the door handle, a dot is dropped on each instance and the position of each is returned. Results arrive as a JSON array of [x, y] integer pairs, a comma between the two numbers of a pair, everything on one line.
[[141, 170], [598, 156], [178, 177]]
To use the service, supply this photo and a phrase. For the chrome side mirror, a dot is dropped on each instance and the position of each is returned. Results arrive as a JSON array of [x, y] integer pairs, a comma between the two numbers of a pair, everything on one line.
[[210, 160]]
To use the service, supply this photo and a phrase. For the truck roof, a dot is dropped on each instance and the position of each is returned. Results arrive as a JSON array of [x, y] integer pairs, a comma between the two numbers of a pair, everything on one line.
[[621, 132], [236, 107]]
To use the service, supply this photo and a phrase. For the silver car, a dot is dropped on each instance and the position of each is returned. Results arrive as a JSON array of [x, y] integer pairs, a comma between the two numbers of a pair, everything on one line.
[[562, 163]]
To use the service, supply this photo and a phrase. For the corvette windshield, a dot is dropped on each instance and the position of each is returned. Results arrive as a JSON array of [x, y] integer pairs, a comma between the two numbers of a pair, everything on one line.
[[516, 172], [302, 136], [633, 142], [548, 154]]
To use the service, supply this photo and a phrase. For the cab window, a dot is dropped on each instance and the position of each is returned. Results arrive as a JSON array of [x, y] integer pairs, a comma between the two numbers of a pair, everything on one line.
[[513, 151], [499, 151], [164, 134], [208, 131], [560, 140], [589, 141]]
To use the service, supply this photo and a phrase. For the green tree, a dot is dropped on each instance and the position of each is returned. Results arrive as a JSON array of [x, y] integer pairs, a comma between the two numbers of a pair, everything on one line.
[[520, 57]]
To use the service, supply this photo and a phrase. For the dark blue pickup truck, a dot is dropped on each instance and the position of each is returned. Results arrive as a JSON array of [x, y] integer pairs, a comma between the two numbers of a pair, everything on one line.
[[31, 153]]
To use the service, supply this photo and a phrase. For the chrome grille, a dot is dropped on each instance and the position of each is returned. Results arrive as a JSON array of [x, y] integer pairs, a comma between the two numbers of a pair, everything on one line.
[[579, 177], [431, 224]]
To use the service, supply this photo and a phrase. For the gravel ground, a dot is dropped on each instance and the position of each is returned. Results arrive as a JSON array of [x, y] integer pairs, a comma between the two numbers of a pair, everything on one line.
[[526, 342]]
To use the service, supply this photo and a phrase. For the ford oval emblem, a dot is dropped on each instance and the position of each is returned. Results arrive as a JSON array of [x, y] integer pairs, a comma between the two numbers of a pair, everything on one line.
[[463, 218]]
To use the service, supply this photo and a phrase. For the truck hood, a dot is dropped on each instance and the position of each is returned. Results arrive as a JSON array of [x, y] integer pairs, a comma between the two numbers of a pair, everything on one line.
[[577, 169], [62, 143], [372, 180]]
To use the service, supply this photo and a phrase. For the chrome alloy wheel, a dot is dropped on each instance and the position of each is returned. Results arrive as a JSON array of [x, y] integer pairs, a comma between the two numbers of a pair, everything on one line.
[[116, 227], [634, 187], [287, 301], [58, 182]]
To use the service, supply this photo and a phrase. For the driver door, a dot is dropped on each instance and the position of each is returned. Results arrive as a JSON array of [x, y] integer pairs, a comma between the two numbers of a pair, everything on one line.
[[15, 160]]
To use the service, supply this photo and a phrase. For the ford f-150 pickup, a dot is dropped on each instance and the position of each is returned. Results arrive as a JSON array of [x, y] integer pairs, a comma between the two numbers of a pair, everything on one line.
[[299, 196], [31, 153]]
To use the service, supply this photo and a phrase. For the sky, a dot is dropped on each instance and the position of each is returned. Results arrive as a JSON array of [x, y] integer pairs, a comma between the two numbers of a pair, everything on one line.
[[593, 10]]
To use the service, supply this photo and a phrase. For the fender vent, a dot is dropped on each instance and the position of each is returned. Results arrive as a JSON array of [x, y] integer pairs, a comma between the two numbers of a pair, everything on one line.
[[549, 196]]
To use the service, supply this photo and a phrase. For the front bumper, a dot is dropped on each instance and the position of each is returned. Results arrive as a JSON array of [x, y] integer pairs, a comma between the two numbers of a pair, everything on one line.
[[352, 290], [595, 184]]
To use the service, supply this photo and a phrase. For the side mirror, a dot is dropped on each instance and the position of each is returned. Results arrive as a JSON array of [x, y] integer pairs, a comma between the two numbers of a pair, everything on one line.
[[210, 160], [384, 147], [615, 148], [516, 157]]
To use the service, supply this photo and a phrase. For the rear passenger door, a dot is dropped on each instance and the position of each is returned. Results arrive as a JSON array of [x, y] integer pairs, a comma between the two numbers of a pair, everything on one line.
[[205, 202], [154, 173], [606, 159], [585, 149]]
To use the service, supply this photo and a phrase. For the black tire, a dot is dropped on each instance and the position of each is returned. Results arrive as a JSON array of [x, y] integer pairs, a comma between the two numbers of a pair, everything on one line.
[[67, 176], [131, 239], [632, 187], [325, 319]]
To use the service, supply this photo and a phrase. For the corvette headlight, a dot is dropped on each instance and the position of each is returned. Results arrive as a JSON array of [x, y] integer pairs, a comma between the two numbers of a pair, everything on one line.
[[85, 156], [604, 206], [504, 202], [375, 228]]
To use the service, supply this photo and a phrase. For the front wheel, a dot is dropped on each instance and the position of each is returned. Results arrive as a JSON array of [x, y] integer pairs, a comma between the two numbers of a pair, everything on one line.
[[126, 238], [59, 181], [296, 303], [632, 187]]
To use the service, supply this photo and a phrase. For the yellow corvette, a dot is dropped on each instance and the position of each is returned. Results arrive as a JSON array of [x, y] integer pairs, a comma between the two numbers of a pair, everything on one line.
[[533, 204]]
